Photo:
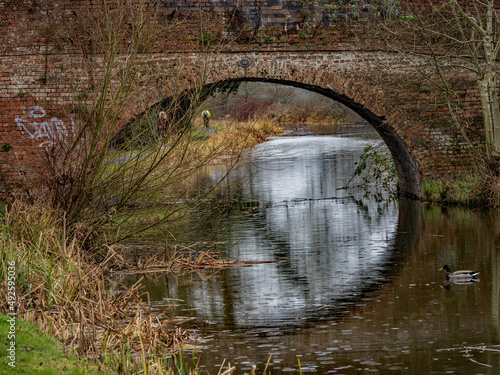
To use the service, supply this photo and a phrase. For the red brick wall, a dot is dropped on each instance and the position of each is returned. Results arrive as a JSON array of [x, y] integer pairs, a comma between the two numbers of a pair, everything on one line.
[[29, 25]]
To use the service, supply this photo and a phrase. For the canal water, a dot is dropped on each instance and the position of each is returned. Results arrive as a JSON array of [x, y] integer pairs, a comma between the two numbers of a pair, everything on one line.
[[357, 288]]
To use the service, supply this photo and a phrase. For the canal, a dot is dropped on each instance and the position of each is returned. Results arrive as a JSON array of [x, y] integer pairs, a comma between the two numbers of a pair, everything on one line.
[[354, 284]]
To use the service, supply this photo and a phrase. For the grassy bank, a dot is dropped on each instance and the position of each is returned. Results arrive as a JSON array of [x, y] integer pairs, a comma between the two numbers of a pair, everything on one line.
[[37, 353], [473, 190], [60, 287], [239, 135]]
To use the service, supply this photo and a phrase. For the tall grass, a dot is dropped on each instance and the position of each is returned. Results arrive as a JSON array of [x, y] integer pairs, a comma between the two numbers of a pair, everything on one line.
[[241, 135], [62, 289]]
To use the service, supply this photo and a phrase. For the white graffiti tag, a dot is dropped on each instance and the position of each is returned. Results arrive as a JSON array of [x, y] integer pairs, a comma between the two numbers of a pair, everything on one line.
[[50, 132]]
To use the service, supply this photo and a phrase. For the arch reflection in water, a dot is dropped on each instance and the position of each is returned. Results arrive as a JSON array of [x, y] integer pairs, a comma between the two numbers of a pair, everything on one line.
[[334, 245]]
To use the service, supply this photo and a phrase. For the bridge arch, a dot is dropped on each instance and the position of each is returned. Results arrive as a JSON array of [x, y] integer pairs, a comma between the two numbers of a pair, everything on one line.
[[341, 57], [335, 81], [350, 78]]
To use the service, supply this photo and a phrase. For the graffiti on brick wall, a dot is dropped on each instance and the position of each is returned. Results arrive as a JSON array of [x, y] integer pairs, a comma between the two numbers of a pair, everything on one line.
[[49, 132]]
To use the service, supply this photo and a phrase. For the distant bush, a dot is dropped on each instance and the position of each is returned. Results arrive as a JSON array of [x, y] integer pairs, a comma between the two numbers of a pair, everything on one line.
[[247, 109]]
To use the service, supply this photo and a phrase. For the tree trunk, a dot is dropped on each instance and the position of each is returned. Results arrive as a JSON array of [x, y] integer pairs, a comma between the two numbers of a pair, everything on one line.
[[488, 90], [495, 112], [484, 94]]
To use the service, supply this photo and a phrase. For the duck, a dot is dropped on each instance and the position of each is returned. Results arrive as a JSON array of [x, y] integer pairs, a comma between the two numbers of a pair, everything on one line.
[[459, 277]]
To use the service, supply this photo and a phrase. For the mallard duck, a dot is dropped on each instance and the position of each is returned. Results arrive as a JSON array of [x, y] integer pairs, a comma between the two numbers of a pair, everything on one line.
[[459, 276]]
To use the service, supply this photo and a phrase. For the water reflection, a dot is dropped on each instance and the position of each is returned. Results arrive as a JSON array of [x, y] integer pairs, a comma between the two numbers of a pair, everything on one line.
[[335, 245], [360, 289]]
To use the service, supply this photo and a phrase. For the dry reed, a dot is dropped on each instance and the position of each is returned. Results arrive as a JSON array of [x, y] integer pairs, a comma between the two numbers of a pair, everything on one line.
[[61, 288], [238, 136], [179, 259]]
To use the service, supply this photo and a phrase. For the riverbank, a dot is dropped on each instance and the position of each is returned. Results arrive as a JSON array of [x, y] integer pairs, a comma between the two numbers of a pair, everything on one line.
[[59, 278], [475, 190], [57, 284]]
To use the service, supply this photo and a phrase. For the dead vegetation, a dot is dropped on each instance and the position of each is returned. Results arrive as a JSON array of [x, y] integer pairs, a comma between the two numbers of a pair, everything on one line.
[[238, 136], [62, 289], [61, 286], [177, 259]]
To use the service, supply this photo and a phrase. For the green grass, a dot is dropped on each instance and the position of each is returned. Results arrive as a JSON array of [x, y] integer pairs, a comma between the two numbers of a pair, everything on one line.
[[469, 190], [37, 353]]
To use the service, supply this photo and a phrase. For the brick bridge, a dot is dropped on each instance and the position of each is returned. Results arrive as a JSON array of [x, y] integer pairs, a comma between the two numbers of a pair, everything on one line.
[[319, 46]]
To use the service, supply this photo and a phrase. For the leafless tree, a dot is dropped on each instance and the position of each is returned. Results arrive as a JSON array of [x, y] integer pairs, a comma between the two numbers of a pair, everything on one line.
[[439, 37], [106, 170]]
